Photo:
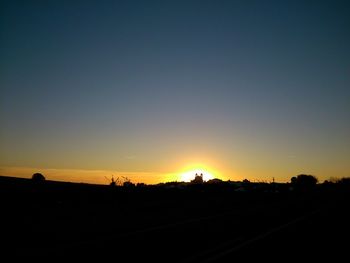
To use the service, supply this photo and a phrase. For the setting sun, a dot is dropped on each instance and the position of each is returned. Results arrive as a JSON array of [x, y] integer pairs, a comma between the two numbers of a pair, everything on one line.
[[189, 174]]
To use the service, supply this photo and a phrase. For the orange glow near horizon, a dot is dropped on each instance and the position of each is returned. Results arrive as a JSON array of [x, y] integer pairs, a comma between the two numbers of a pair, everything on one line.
[[186, 174], [101, 176]]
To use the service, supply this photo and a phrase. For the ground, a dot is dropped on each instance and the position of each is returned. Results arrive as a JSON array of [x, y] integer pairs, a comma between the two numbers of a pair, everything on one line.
[[52, 220]]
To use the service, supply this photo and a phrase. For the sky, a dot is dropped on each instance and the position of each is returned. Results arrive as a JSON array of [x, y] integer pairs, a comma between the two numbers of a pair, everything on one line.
[[153, 89]]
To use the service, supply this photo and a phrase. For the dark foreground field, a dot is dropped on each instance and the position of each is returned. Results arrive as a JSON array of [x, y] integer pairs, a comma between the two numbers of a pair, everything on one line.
[[64, 221]]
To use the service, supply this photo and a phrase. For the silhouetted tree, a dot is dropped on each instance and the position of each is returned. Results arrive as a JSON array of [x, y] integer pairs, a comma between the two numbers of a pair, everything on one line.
[[344, 180], [344, 183], [304, 181], [38, 177]]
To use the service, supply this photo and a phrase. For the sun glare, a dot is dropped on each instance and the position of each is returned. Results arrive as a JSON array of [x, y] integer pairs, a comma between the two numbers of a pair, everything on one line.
[[190, 173]]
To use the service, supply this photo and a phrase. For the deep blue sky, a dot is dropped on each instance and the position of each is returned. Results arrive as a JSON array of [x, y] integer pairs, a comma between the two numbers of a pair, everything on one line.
[[253, 88]]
